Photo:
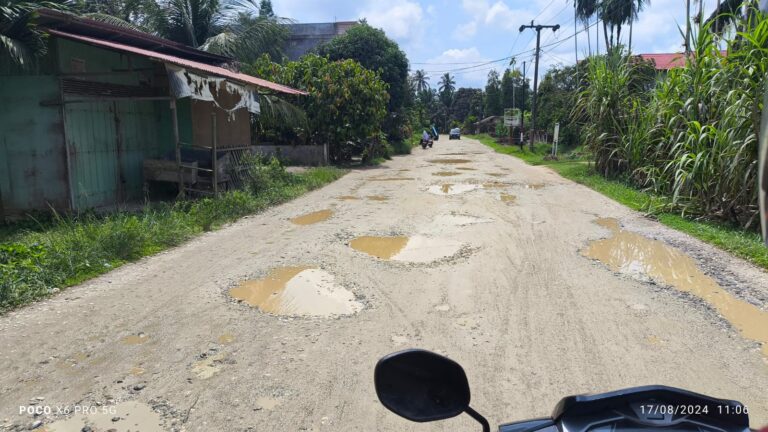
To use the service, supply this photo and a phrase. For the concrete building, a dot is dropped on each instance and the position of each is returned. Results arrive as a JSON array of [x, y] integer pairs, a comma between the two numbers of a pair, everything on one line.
[[305, 37]]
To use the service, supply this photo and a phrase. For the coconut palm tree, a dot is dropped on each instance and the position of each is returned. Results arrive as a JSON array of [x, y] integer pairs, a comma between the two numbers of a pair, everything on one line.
[[20, 41], [447, 84], [585, 10], [420, 81]]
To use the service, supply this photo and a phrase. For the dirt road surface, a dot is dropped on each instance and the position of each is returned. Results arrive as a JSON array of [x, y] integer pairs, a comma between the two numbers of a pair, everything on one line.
[[484, 264]]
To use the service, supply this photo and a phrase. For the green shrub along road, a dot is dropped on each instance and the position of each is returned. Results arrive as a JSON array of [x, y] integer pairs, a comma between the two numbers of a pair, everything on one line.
[[744, 244], [37, 260]]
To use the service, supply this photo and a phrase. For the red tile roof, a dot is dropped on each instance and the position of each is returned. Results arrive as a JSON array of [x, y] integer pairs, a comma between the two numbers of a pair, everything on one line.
[[665, 61], [190, 64]]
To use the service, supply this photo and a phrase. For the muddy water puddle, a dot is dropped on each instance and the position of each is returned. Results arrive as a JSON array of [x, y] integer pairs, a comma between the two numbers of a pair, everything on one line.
[[496, 174], [137, 371], [123, 417], [136, 339], [631, 253], [449, 161], [226, 339], [417, 249], [347, 198], [466, 168], [453, 189], [380, 247], [377, 198], [297, 291], [313, 218], [508, 198], [446, 173]]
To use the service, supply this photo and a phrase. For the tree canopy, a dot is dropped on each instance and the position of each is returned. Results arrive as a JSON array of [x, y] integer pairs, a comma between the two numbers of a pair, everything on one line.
[[374, 51]]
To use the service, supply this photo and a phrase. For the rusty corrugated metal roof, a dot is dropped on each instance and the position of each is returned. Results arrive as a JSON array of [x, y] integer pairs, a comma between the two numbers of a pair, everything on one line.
[[200, 67], [73, 24]]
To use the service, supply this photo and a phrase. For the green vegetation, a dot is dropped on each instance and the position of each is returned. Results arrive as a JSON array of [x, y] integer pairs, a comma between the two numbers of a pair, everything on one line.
[[694, 136], [742, 243], [376, 52], [345, 107], [67, 250]]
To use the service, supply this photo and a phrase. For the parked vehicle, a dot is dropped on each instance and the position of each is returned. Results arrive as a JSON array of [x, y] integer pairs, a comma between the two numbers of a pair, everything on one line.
[[422, 386], [455, 133]]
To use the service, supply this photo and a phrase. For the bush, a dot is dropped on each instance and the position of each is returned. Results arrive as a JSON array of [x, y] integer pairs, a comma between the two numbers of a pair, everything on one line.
[[694, 137], [346, 106]]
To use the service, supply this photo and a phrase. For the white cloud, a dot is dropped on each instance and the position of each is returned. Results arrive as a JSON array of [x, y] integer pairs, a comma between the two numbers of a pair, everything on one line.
[[455, 58], [400, 19], [484, 14], [465, 31]]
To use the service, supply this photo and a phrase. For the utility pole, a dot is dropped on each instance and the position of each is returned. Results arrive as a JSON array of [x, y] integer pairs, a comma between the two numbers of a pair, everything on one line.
[[522, 109], [538, 28]]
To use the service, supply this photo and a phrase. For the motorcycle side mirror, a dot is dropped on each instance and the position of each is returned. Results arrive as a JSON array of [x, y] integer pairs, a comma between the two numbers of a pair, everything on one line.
[[422, 386]]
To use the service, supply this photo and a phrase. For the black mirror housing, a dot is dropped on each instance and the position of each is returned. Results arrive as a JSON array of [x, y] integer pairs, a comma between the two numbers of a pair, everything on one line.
[[421, 386]]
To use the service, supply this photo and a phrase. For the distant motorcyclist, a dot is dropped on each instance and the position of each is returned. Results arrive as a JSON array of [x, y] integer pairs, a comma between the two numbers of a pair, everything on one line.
[[425, 136]]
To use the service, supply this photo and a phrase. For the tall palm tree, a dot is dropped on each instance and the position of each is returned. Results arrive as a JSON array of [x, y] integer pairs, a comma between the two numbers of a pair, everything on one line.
[[20, 40], [585, 10], [447, 83], [420, 81]]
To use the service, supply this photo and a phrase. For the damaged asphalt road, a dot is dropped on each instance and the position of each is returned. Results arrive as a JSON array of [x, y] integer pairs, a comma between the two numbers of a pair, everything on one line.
[[276, 322]]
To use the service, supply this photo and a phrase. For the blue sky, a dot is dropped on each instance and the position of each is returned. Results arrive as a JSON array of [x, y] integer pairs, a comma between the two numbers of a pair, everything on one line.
[[458, 36]]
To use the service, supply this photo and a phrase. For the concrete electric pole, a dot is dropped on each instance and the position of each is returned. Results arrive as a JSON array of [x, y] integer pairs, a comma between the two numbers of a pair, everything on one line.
[[538, 28]]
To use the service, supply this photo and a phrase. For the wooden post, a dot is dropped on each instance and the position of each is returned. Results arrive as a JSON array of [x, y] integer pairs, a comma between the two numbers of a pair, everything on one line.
[[175, 121], [214, 161]]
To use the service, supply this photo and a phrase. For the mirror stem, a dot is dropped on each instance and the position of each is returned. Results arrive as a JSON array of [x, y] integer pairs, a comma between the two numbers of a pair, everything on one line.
[[480, 419]]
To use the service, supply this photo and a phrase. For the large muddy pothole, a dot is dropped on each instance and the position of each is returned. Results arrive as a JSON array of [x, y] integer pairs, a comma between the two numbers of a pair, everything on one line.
[[631, 253], [453, 188], [446, 173], [313, 218], [123, 417], [416, 249], [297, 291], [449, 161]]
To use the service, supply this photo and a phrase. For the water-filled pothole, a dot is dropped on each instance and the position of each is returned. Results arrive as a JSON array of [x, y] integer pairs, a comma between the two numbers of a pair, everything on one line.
[[378, 197], [123, 417], [416, 249], [313, 218], [453, 189], [347, 198], [507, 198], [297, 291], [496, 174], [449, 161], [466, 168], [628, 252], [136, 339], [446, 173]]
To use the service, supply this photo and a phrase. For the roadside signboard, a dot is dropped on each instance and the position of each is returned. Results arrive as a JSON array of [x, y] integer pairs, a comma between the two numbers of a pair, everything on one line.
[[512, 117]]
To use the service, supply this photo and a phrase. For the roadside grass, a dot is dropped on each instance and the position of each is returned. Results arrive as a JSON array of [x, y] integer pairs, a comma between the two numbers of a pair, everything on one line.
[[36, 261], [573, 166]]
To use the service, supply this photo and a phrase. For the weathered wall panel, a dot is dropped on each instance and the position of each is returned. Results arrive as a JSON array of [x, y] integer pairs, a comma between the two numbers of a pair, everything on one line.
[[233, 130], [109, 139], [33, 172]]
